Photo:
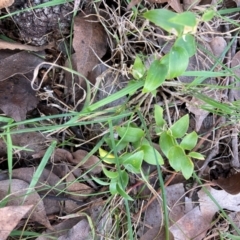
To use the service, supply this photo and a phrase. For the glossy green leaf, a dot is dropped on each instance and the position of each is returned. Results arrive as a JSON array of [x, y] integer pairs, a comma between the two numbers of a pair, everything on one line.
[[124, 178], [138, 69], [123, 193], [99, 181], [118, 145], [196, 155], [187, 167], [208, 15], [151, 155], [180, 127], [134, 162], [189, 141], [185, 19], [161, 17], [166, 142], [113, 187], [188, 43], [175, 156], [130, 134], [176, 61], [110, 174], [158, 115], [156, 75]]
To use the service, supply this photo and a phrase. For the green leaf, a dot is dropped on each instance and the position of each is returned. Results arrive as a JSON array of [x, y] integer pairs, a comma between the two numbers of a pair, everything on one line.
[[188, 43], [161, 17], [156, 75], [124, 178], [113, 187], [118, 144], [99, 181], [130, 134], [185, 19], [189, 141], [110, 174], [138, 69], [151, 155], [187, 167], [180, 127], [134, 162], [158, 115], [196, 155], [123, 193], [208, 15], [176, 61], [166, 142], [175, 156]]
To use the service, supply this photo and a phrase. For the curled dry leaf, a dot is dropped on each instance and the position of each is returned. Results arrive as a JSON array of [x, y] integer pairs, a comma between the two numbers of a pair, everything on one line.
[[10, 217], [14, 63], [18, 192], [17, 97], [92, 162]]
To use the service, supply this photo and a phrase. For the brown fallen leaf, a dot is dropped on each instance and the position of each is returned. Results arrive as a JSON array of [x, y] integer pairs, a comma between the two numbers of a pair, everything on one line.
[[153, 214], [14, 63], [10, 217], [6, 3], [32, 141], [89, 43], [17, 97], [154, 233], [76, 189], [81, 231], [194, 106], [176, 5], [230, 185], [92, 162], [47, 181], [59, 155], [18, 192], [218, 46], [60, 229], [193, 225]]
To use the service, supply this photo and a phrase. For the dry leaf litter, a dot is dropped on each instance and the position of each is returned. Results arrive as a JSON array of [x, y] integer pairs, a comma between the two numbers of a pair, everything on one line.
[[105, 42]]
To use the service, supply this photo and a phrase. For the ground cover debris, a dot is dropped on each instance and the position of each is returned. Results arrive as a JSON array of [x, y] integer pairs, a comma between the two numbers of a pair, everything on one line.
[[119, 120]]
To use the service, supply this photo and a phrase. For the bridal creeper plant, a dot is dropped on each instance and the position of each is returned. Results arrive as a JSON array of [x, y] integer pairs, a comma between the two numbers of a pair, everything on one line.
[[175, 143]]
